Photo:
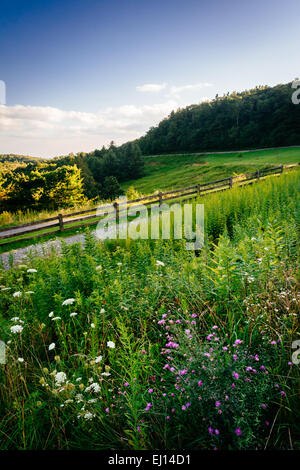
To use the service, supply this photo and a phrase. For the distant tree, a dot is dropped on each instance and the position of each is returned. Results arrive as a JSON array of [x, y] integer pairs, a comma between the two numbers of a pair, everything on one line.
[[111, 188], [132, 193], [67, 190]]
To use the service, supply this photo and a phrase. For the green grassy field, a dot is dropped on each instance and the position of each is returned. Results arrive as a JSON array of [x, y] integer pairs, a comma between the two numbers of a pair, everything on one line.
[[166, 172]]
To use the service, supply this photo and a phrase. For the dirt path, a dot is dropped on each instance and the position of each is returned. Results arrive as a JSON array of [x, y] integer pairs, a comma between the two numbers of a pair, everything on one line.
[[40, 249], [22, 255]]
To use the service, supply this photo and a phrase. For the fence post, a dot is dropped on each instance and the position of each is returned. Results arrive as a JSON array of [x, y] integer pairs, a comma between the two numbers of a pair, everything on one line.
[[160, 198], [281, 169], [258, 174], [230, 182], [61, 222], [198, 190], [117, 210]]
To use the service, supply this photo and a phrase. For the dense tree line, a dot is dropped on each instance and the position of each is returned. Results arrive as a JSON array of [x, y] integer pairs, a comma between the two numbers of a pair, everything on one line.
[[261, 117], [28, 183]]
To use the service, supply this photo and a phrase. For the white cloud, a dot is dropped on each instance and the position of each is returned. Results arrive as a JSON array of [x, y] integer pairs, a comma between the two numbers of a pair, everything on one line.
[[48, 131], [151, 87], [176, 90], [45, 131]]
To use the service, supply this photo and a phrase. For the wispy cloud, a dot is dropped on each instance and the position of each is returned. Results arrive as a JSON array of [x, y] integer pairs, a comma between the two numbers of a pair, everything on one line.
[[171, 89], [151, 87], [49, 131], [176, 90]]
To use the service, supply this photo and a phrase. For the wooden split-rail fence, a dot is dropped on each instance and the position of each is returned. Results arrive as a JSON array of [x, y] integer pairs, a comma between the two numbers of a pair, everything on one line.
[[88, 217]]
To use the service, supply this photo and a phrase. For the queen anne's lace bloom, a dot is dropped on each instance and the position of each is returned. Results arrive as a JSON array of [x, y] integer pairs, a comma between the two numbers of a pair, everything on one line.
[[60, 378], [68, 302], [17, 294], [16, 329], [94, 387]]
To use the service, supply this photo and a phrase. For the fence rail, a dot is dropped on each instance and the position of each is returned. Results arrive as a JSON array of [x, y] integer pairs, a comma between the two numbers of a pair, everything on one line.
[[66, 222]]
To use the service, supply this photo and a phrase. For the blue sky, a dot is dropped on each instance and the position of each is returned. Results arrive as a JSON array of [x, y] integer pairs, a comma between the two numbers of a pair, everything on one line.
[[83, 72]]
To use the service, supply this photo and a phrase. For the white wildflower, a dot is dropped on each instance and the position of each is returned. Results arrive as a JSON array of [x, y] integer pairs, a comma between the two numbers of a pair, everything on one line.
[[92, 325], [51, 314], [94, 387], [20, 359], [51, 346], [159, 263], [106, 374], [73, 314], [68, 302], [15, 319], [6, 288], [102, 310], [16, 329], [56, 318], [29, 292], [88, 416], [79, 379], [31, 270], [111, 344], [60, 378], [98, 359]]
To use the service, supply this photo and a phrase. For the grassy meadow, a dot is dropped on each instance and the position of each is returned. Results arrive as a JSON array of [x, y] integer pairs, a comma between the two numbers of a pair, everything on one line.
[[166, 172], [145, 345], [162, 173]]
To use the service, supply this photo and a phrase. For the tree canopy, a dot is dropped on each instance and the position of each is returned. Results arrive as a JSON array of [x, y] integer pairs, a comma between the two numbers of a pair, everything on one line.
[[257, 118]]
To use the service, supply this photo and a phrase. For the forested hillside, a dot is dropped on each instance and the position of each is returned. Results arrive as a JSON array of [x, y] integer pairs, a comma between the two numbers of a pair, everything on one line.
[[257, 118]]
